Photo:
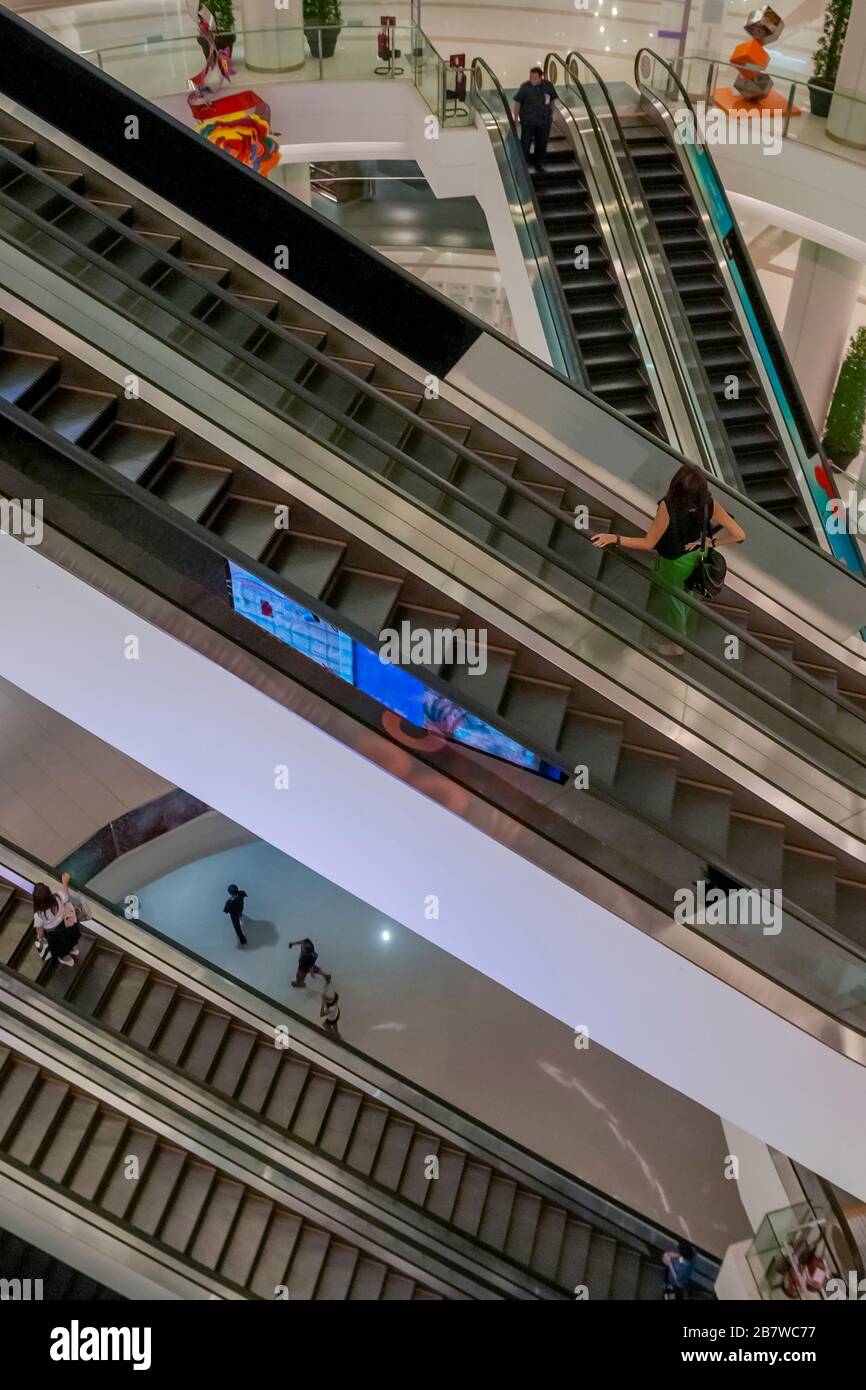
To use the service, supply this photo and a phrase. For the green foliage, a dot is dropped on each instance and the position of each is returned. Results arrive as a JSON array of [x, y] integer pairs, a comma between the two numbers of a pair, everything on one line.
[[223, 14], [843, 433], [324, 12], [829, 51]]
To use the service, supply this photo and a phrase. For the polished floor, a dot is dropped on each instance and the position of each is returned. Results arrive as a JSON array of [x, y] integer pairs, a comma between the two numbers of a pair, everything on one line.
[[427, 1015]]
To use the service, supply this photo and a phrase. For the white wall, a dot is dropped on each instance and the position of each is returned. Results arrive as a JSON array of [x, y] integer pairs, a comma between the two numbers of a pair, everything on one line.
[[388, 844]]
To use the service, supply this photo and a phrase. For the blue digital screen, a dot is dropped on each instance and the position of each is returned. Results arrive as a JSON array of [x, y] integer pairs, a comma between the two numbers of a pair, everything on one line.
[[392, 686]]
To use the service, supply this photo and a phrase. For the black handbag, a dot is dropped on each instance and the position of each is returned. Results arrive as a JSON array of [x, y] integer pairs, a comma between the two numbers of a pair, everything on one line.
[[707, 579]]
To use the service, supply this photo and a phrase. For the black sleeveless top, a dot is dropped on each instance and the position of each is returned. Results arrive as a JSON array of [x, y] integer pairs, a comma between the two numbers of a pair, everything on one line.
[[684, 526]]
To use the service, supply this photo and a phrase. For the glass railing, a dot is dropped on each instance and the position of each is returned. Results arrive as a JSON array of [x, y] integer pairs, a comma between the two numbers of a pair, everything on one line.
[[583, 91], [702, 73], [660, 84], [492, 102], [280, 373], [143, 537], [161, 65]]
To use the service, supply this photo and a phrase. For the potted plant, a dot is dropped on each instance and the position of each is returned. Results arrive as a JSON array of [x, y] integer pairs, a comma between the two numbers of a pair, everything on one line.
[[843, 432], [827, 56], [322, 12]]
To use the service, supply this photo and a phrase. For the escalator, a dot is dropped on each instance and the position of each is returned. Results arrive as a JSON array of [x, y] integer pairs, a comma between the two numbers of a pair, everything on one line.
[[754, 438], [604, 333], [33, 1274], [516, 1225]]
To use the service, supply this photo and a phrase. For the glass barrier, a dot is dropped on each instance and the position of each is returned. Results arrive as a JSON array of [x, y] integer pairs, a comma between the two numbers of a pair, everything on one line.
[[285, 375], [174, 557]]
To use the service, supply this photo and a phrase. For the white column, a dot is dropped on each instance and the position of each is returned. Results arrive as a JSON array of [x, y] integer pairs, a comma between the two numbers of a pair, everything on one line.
[[847, 119], [273, 37], [818, 322]]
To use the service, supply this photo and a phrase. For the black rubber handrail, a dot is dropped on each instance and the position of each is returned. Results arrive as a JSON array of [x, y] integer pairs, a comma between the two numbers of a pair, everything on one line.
[[259, 320], [538, 232], [196, 535]]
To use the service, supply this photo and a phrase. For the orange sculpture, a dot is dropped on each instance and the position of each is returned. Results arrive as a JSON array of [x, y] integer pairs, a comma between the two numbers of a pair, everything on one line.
[[753, 89]]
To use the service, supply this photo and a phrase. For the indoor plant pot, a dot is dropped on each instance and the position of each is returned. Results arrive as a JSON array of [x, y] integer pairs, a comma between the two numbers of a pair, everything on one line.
[[846, 418], [820, 95], [828, 55], [325, 13]]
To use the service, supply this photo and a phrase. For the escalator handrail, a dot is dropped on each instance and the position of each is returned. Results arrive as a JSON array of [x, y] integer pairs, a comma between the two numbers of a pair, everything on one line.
[[201, 326], [535, 227], [807, 432], [51, 96], [700, 404], [360, 1065], [199, 536]]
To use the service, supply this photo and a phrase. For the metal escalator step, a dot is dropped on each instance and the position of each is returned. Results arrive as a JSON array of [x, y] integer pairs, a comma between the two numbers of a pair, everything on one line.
[[756, 848], [661, 175], [338, 1273], [26, 376], [613, 384], [115, 1009], [337, 391], [187, 1204], [247, 523], [689, 262], [69, 1138], [486, 687], [599, 1266], [137, 261], [397, 1288], [204, 1047], [93, 979], [523, 1226], [155, 1191], [309, 1117], [178, 1028], [426, 621], [546, 1251], [698, 805], [37, 1119], [590, 282], [133, 450], [339, 1125], [712, 333], [17, 1081], [603, 334], [247, 1235], [536, 706], [184, 293], [29, 192], [640, 409], [366, 1137], [750, 437], [672, 216], [393, 1153], [121, 1185], [697, 286], [75, 414], [25, 149], [282, 1105], [85, 228], [58, 981], [594, 742], [391, 426], [97, 1160], [651, 1282], [443, 1190], [275, 1254], [191, 487], [606, 357], [308, 1261], [16, 932], [646, 780], [626, 1274], [366, 599], [230, 321], [286, 357], [233, 1060], [217, 1219], [809, 879], [772, 492], [415, 1183], [488, 490], [310, 562], [496, 1216], [742, 411], [259, 1076], [666, 199], [150, 1012], [649, 148]]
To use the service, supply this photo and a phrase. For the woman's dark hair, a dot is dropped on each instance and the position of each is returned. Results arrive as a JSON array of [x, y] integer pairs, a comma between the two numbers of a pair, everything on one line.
[[540, 71], [686, 1250], [232, 888], [44, 900], [689, 490]]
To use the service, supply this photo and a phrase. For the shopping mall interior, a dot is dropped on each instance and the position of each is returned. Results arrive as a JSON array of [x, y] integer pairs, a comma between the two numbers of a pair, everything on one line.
[[432, 666]]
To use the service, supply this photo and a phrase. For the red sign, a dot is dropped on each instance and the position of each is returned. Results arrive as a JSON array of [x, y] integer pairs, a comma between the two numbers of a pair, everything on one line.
[[457, 60]]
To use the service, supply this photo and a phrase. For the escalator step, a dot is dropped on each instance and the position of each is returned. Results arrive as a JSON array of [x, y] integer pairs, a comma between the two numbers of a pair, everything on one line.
[[275, 1255], [689, 261], [191, 487], [667, 199], [741, 412], [626, 1274], [747, 438], [599, 1266], [247, 523], [537, 706], [697, 286], [182, 292], [45, 1104], [26, 376], [365, 598], [617, 384], [648, 148], [337, 391], [133, 450], [76, 414], [753, 469], [772, 493], [308, 1261], [310, 562], [668, 215], [187, 1203], [86, 229], [488, 687]]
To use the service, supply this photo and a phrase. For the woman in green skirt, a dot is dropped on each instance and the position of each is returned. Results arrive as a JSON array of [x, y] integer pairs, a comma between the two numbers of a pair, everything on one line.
[[685, 513]]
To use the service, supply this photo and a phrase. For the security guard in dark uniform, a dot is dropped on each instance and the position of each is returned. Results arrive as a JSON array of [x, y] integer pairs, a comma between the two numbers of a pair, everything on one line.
[[533, 109]]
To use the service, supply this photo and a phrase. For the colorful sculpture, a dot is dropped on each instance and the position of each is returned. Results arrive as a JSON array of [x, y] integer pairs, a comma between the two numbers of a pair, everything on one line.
[[217, 60], [753, 89], [239, 123]]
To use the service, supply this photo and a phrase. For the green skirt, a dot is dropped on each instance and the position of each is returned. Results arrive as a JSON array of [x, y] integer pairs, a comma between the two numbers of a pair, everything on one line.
[[667, 607]]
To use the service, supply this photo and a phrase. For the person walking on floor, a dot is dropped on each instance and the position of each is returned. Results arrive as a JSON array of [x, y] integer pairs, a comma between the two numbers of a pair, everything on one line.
[[307, 963], [533, 113], [329, 1013], [234, 906], [56, 921], [687, 512]]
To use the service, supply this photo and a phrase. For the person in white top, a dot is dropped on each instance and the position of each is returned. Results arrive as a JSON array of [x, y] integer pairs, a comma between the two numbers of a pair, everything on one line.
[[51, 927], [330, 1011]]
